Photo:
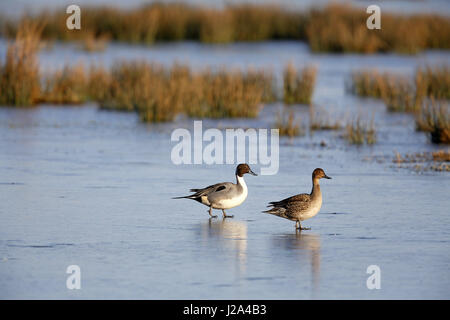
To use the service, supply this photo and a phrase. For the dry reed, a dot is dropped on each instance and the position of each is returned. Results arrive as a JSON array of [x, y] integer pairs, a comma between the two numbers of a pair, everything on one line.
[[19, 74], [335, 28], [287, 124], [298, 86], [434, 119], [359, 132]]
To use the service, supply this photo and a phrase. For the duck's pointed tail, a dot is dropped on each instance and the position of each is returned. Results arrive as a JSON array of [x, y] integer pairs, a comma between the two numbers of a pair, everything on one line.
[[184, 197], [276, 211]]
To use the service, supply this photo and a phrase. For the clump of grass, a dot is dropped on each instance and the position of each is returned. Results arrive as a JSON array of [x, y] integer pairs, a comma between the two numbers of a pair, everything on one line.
[[66, 86], [433, 81], [401, 93], [397, 91], [217, 26], [19, 75], [159, 94], [155, 92], [400, 96], [287, 124], [341, 28], [434, 119], [435, 161], [366, 83], [91, 43], [320, 120], [333, 28], [298, 86], [133, 87], [359, 132], [231, 94], [98, 84], [441, 156]]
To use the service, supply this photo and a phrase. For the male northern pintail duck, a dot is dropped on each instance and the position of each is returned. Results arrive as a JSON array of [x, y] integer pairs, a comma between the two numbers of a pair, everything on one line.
[[225, 195], [302, 206]]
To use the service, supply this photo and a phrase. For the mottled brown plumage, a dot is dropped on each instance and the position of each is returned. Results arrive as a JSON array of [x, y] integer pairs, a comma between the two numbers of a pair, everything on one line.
[[302, 206]]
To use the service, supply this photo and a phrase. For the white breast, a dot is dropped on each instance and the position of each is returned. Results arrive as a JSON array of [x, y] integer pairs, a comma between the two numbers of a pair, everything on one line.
[[236, 200]]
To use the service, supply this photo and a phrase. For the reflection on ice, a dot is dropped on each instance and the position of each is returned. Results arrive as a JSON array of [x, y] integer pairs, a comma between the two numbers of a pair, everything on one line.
[[230, 235], [307, 245]]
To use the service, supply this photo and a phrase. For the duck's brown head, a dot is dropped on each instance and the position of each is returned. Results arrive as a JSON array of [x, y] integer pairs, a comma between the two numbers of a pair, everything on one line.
[[319, 174], [244, 168]]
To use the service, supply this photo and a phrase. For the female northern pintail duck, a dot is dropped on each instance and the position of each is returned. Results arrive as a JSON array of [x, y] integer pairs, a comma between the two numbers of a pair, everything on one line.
[[225, 195], [302, 206]]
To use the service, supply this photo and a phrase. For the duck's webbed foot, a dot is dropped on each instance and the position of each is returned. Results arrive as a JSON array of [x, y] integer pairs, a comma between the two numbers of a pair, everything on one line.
[[225, 215], [298, 226], [210, 213]]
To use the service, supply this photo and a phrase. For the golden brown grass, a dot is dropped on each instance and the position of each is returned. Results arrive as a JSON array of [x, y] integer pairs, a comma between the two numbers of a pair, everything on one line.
[[359, 132], [341, 28], [176, 21], [66, 86], [400, 96], [433, 81], [19, 74], [287, 124], [92, 43], [335, 28], [159, 94], [424, 161], [401, 93], [434, 119], [298, 85], [98, 83], [320, 119]]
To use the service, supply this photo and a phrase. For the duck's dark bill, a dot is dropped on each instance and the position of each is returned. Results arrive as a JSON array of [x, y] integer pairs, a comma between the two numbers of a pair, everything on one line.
[[327, 177], [252, 173]]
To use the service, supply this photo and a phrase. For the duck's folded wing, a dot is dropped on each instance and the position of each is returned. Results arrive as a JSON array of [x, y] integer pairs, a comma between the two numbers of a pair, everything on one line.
[[218, 187], [304, 197], [289, 207]]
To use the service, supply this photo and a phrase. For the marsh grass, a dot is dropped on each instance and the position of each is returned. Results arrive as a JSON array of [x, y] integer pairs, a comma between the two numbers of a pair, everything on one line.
[[66, 86], [98, 83], [342, 28], [433, 81], [19, 74], [159, 94], [159, 21], [397, 91], [424, 161], [298, 86], [155, 92], [320, 119], [401, 93], [434, 119], [91, 43], [400, 96], [333, 28], [288, 124], [360, 132]]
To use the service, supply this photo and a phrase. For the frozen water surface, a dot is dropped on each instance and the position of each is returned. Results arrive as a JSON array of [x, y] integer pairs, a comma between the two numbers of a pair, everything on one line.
[[93, 188]]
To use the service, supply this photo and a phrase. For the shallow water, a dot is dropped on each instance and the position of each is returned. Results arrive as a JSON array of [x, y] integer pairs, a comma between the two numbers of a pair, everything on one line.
[[93, 188]]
